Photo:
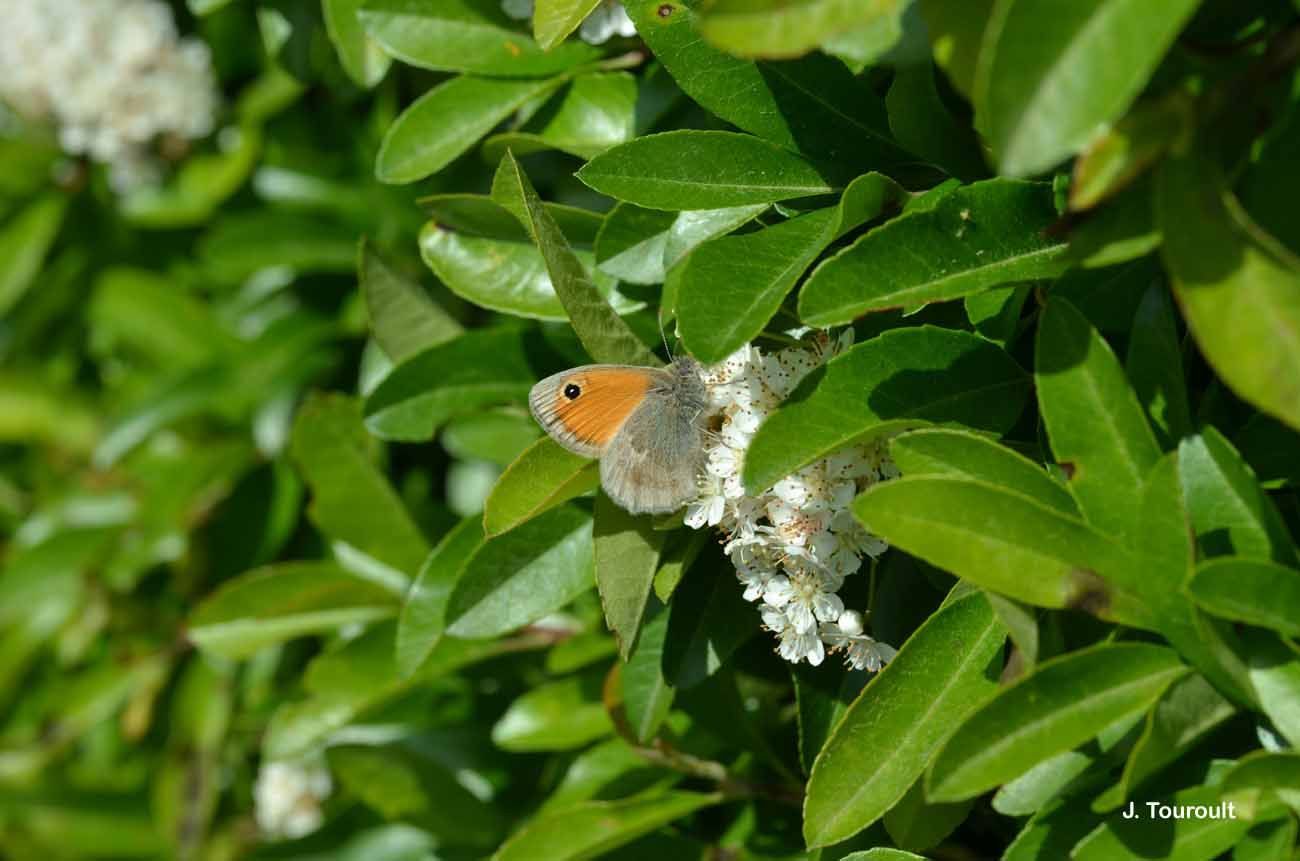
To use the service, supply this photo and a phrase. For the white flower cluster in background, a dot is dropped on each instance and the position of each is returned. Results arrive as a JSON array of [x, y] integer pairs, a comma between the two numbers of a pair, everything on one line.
[[111, 75], [793, 545], [606, 21], [287, 797]]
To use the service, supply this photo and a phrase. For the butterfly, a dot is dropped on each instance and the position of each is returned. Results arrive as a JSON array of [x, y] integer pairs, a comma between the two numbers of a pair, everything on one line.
[[646, 425]]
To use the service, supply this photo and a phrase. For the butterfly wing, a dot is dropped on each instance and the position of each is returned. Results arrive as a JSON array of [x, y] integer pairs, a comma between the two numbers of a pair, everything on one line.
[[583, 409], [652, 465]]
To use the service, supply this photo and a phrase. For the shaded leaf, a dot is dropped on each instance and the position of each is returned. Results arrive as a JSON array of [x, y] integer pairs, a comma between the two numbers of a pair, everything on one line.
[[542, 477]]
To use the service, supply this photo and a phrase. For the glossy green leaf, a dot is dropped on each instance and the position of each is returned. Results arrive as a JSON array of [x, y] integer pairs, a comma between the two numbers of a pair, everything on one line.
[[940, 451], [555, 19], [1270, 771], [1229, 511], [1274, 668], [446, 122], [707, 621], [1155, 365], [403, 317], [602, 332], [687, 169], [1049, 76], [280, 602], [480, 215], [520, 576], [1187, 712], [1255, 591], [764, 28], [25, 239], [352, 501], [729, 288], [887, 737], [919, 825], [626, 551], [812, 105], [977, 237], [914, 376], [1093, 418], [1065, 702], [630, 245], [956, 32], [505, 275], [1117, 156], [497, 437], [361, 57], [883, 853], [542, 477], [1002, 541], [1239, 290], [596, 827], [473, 36], [558, 715], [595, 112], [423, 618], [693, 227], [476, 369], [922, 122], [402, 783], [647, 695]]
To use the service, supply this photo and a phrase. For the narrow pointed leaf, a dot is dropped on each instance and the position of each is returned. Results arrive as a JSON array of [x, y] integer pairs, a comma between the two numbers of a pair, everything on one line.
[[1255, 591], [423, 618], [627, 557]]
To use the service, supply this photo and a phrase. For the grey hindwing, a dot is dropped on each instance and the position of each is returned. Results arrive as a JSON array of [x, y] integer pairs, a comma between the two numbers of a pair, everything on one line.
[[652, 465]]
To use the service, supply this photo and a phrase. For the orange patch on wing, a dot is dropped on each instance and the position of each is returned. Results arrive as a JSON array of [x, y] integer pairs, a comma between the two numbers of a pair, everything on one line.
[[606, 399]]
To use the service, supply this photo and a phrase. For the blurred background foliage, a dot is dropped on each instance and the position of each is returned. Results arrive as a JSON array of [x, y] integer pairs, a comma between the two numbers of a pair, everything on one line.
[[246, 405]]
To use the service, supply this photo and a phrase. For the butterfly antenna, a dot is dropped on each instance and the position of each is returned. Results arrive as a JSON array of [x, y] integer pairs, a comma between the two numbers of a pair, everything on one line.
[[664, 337]]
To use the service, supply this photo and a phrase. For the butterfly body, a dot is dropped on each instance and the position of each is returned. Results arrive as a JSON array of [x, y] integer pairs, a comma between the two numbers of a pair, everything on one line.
[[646, 425]]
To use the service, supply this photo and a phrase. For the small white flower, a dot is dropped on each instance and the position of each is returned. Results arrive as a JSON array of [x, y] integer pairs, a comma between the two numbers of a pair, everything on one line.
[[287, 797], [861, 652]]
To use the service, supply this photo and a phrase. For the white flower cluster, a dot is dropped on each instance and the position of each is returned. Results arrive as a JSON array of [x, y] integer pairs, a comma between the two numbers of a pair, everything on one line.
[[287, 797], [111, 75], [793, 545], [606, 21]]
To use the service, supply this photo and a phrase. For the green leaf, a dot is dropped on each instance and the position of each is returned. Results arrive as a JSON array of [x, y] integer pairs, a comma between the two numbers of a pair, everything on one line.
[[940, 451], [1229, 511], [1002, 541], [280, 602], [1277, 772], [1155, 365], [630, 245], [693, 227], [559, 715], [689, 169], [812, 105], [767, 28], [956, 32], [707, 621], [1052, 832], [555, 19], [917, 824], [888, 736], [361, 57], [497, 436], [1267, 841], [606, 770], [626, 556], [446, 121], [977, 237], [24, 241], [518, 577], [1274, 668], [602, 332], [595, 827], [1187, 712], [146, 313], [401, 782], [729, 288], [882, 853], [542, 477], [647, 695], [352, 501], [1093, 418], [478, 368], [823, 694], [424, 612], [509, 276], [239, 245], [480, 215], [995, 313], [473, 36], [922, 122], [595, 112], [1065, 702], [1119, 155], [1182, 839], [907, 376], [1255, 591], [403, 318], [1239, 290], [1049, 75]]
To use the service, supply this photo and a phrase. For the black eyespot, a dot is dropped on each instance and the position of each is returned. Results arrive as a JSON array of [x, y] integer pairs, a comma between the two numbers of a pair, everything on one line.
[[571, 392]]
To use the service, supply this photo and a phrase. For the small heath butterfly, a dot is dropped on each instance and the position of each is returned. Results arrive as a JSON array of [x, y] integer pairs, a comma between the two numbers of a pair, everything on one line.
[[646, 425]]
